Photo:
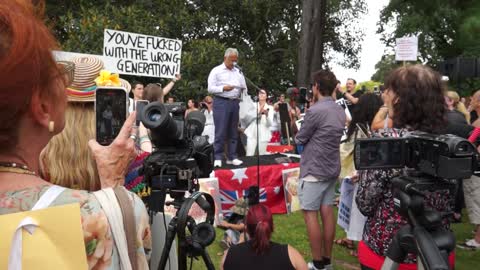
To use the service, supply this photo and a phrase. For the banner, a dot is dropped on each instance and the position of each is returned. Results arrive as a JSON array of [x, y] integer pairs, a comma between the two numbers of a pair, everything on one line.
[[142, 55], [234, 184]]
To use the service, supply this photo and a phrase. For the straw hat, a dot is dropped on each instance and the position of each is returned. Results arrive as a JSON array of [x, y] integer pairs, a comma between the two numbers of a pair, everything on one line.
[[240, 207], [126, 84], [83, 87]]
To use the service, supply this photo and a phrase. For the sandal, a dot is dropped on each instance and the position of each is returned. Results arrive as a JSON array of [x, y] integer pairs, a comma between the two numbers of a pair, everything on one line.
[[345, 243]]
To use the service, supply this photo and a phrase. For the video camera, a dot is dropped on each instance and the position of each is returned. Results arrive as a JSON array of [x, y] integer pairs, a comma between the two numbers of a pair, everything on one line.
[[181, 155], [442, 156], [435, 162]]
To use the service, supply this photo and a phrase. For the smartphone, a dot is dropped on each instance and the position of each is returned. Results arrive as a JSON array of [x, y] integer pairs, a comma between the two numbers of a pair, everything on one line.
[[139, 106], [110, 113]]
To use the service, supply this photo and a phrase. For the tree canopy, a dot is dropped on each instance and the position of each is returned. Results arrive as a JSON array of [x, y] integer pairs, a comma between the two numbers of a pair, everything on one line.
[[266, 33], [445, 29]]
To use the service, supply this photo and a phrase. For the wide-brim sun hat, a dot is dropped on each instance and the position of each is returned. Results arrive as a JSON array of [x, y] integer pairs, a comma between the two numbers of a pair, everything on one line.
[[82, 88], [88, 69], [240, 207]]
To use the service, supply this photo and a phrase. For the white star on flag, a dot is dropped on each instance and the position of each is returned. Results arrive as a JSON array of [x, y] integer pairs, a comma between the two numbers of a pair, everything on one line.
[[276, 189], [239, 174]]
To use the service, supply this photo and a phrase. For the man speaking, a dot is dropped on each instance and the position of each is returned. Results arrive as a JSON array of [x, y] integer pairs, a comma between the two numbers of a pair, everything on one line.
[[226, 83]]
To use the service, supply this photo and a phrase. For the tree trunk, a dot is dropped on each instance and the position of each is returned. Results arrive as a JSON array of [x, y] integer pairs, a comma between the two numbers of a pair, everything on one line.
[[311, 47]]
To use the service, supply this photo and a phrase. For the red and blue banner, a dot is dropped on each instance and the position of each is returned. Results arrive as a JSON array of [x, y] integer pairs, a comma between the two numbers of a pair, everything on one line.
[[234, 184]]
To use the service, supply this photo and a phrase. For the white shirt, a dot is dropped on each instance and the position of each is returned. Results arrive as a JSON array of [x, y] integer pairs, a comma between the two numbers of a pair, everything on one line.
[[221, 76], [263, 126], [130, 105], [209, 128]]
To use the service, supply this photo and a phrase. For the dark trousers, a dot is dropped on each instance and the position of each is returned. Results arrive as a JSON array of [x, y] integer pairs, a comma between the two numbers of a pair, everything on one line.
[[225, 117]]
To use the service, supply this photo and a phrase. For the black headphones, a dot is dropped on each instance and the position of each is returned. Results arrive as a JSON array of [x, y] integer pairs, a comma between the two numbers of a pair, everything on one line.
[[202, 234]]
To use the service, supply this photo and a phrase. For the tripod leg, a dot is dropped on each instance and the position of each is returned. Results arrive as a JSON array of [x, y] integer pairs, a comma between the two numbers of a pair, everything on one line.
[[182, 256], [168, 244], [207, 260]]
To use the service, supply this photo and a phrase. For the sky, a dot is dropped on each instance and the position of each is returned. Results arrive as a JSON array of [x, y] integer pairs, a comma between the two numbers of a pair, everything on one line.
[[372, 47]]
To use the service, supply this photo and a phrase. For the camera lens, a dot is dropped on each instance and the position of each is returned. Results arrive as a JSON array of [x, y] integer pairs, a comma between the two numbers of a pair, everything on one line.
[[154, 115], [163, 127]]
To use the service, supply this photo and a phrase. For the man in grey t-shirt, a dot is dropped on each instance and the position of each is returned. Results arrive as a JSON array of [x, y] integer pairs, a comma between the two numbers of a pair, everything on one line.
[[320, 166]]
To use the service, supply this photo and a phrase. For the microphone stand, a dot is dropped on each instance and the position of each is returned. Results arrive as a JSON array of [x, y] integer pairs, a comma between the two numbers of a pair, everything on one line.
[[254, 191]]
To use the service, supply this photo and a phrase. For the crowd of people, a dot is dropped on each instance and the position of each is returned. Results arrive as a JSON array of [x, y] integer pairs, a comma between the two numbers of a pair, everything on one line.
[[47, 152]]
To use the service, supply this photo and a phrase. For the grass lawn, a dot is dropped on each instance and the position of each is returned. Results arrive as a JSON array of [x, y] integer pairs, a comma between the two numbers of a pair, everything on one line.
[[291, 229]]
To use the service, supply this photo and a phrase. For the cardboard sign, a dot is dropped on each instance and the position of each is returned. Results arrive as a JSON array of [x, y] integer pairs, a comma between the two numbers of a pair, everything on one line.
[[345, 203], [342, 102], [57, 242], [290, 182], [142, 55], [406, 49]]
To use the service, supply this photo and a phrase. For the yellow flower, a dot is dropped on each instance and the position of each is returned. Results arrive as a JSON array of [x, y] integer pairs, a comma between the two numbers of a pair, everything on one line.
[[107, 79]]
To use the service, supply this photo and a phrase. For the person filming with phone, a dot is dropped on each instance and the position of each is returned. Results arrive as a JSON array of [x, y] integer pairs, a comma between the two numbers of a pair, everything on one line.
[[32, 117]]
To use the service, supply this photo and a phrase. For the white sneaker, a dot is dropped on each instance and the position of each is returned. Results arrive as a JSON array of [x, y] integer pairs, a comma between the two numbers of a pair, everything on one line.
[[470, 244], [235, 162], [218, 163]]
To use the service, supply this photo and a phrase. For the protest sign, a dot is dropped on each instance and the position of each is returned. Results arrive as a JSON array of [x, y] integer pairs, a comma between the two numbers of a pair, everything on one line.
[[406, 49], [290, 182], [345, 203], [142, 55], [342, 102]]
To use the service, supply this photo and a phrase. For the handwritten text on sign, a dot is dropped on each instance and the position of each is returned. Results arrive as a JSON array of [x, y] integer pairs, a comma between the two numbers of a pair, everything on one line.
[[406, 49], [143, 55]]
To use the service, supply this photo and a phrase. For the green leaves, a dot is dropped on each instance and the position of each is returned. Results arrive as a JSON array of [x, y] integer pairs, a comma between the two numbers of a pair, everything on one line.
[[445, 28], [266, 33]]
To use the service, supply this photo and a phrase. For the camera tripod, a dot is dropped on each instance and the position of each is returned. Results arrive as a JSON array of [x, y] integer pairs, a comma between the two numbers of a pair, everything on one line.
[[195, 244], [425, 235]]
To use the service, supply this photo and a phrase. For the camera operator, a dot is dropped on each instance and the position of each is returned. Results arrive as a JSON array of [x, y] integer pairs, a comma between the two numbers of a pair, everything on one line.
[[415, 102]]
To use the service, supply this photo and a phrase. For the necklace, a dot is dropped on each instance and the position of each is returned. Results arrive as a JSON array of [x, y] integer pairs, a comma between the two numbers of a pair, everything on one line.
[[14, 167]]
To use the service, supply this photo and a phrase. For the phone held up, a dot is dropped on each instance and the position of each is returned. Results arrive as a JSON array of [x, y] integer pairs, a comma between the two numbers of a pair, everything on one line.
[[110, 113], [139, 106]]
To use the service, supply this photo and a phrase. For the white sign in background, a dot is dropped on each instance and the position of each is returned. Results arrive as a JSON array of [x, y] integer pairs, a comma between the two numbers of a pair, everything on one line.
[[142, 55], [406, 49]]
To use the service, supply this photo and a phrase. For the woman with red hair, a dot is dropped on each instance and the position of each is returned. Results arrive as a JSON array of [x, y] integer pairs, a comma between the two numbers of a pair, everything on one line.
[[32, 111], [259, 252]]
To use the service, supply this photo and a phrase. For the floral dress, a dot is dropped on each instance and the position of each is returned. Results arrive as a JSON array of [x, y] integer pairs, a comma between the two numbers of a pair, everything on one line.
[[375, 201], [99, 244]]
